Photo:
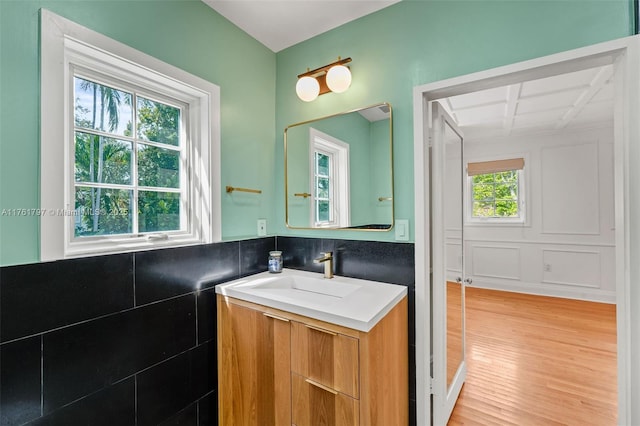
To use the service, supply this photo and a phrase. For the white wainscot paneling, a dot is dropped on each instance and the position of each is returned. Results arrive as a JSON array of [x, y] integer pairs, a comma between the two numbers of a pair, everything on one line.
[[454, 259], [570, 190], [569, 267], [496, 262], [453, 194]]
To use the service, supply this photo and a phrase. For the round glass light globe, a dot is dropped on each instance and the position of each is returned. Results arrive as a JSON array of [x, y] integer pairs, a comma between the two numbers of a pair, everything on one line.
[[307, 88], [339, 78]]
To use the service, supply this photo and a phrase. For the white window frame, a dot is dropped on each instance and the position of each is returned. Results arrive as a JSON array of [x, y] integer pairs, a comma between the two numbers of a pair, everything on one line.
[[522, 205], [66, 46], [340, 172]]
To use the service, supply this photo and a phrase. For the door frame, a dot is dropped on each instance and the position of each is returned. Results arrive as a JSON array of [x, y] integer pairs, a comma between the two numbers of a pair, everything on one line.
[[625, 55]]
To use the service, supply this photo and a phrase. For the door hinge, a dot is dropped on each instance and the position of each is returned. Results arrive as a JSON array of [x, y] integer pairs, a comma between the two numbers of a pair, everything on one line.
[[431, 385]]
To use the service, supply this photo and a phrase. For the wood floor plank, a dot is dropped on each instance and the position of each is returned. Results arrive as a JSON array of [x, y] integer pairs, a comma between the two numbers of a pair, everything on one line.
[[536, 360]]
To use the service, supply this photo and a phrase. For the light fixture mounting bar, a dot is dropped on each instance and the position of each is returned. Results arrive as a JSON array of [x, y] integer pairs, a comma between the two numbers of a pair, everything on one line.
[[325, 68]]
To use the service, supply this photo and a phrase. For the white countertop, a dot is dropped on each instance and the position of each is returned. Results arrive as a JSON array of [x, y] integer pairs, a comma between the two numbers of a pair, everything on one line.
[[349, 302]]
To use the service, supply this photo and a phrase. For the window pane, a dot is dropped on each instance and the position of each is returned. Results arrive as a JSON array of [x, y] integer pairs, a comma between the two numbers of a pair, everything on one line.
[[158, 167], [483, 192], [102, 160], [102, 107], [158, 122], [323, 211], [507, 192], [322, 162], [507, 208], [483, 209], [508, 176], [102, 211], [323, 188], [483, 179], [158, 211], [496, 195]]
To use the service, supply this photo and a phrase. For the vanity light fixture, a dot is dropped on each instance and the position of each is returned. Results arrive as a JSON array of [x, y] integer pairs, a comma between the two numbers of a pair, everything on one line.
[[335, 77], [307, 88]]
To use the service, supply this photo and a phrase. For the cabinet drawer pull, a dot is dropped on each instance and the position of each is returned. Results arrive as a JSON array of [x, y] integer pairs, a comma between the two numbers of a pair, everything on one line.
[[275, 317], [321, 330], [323, 387]]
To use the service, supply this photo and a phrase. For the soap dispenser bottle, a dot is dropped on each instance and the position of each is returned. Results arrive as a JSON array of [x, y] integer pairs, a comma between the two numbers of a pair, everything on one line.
[[275, 262]]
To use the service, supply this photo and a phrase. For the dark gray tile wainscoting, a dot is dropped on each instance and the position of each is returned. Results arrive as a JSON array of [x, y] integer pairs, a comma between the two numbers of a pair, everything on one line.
[[130, 339], [117, 340]]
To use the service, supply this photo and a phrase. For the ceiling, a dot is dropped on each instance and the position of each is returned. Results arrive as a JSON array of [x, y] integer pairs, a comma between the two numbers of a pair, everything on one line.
[[376, 113], [572, 100], [279, 24]]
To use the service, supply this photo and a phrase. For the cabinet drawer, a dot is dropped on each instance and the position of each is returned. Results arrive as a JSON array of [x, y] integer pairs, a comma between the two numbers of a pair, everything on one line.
[[316, 405], [325, 357]]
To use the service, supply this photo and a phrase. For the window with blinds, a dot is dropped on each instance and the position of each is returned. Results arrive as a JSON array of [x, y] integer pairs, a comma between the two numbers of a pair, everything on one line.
[[496, 190]]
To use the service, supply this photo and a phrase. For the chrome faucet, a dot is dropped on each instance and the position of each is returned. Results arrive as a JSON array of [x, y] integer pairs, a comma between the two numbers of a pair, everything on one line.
[[327, 259]]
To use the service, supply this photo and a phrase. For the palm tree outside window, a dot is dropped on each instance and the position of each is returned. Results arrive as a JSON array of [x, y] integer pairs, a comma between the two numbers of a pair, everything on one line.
[[128, 151]]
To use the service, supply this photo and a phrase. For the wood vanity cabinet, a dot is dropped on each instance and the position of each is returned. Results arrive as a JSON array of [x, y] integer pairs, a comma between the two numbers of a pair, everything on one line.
[[279, 368]]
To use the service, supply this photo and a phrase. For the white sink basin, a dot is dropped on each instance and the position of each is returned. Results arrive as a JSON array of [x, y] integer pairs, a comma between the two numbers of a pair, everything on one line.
[[350, 302], [300, 283]]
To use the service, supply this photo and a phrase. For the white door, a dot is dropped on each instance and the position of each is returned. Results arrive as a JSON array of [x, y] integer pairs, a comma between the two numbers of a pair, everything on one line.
[[447, 281]]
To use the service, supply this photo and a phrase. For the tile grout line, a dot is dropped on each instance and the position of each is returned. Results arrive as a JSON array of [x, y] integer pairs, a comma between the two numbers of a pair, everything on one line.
[[196, 310], [135, 397], [239, 259], [41, 375], [134, 279]]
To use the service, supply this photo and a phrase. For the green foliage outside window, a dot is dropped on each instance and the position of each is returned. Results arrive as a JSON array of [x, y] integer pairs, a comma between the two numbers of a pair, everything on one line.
[[322, 189], [495, 195], [105, 145]]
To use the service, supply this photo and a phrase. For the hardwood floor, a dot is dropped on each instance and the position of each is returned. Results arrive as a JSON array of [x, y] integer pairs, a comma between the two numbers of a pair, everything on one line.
[[454, 329], [535, 360]]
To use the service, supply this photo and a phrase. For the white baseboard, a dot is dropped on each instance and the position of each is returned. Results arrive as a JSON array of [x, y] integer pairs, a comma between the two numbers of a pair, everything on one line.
[[542, 289]]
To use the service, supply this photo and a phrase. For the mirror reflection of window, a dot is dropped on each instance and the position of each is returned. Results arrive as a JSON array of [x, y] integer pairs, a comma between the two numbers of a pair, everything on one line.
[[323, 188], [357, 188], [330, 171]]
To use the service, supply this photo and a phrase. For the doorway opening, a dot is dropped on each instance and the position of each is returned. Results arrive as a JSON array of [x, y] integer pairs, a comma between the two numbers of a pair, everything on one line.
[[605, 65]]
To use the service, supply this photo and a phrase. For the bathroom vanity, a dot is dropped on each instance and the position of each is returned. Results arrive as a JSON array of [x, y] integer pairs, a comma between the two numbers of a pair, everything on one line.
[[296, 349]]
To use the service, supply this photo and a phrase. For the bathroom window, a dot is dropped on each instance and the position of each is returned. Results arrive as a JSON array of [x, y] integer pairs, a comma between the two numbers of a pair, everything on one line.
[[329, 179], [323, 187], [496, 191], [131, 159]]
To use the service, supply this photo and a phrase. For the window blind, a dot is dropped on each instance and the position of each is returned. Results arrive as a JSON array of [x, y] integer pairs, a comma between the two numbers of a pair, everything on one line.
[[495, 166]]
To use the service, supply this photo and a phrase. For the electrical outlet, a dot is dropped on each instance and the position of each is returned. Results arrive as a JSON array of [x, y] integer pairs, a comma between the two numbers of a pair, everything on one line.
[[547, 267], [402, 230], [262, 227]]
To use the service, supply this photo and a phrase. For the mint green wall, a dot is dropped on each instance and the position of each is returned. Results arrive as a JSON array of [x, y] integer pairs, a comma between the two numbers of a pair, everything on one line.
[[379, 172], [184, 33], [417, 42], [410, 43]]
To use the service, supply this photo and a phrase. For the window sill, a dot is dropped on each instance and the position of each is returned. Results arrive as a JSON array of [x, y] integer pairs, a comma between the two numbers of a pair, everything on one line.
[[114, 245], [498, 223]]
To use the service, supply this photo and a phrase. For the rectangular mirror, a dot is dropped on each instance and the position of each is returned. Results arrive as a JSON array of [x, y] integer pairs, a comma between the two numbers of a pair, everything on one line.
[[339, 171]]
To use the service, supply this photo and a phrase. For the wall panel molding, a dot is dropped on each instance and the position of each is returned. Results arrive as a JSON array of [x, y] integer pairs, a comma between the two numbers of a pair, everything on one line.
[[453, 251], [489, 261], [570, 180], [538, 242], [578, 268]]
